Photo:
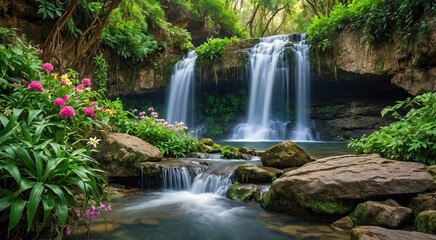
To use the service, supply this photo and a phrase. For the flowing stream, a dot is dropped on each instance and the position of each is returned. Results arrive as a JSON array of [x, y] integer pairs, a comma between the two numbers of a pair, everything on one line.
[[192, 205]]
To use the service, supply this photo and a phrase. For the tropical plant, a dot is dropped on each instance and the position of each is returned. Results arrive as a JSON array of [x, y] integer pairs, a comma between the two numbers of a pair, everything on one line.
[[411, 138], [100, 73], [213, 48]]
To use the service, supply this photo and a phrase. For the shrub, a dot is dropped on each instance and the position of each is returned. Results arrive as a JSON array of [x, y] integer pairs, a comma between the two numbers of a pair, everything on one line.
[[213, 48], [411, 138]]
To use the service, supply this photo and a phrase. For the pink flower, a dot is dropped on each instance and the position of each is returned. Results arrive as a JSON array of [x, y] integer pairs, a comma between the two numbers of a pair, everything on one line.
[[15, 84], [136, 117], [89, 111], [135, 110], [24, 81], [62, 83], [87, 82], [165, 124], [87, 213], [41, 52], [67, 111], [68, 231], [79, 87], [101, 109], [94, 104], [151, 109], [161, 120], [75, 99], [34, 85], [154, 114], [77, 212], [47, 66], [66, 98], [141, 113], [59, 101]]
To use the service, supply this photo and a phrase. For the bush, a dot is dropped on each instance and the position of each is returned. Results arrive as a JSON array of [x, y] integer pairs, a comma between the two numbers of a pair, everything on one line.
[[213, 48], [412, 138]]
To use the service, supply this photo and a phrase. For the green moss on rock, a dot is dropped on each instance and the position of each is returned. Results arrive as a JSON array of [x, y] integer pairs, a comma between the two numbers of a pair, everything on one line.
[[426, 222], [241, 192]]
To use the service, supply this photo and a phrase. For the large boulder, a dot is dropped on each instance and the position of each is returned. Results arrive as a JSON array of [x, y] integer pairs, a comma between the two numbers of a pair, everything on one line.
[[426, 221], [380, 214], [422, 202], [250, 173], [121, 154], [284, 155], [379, 233], [241, 192], [335, 185]]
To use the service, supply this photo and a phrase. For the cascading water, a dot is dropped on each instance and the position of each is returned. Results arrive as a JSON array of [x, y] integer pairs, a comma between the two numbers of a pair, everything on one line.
[[269, 98], [182, 89]]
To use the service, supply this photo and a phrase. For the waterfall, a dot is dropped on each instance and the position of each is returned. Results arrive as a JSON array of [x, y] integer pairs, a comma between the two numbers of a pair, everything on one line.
[[269, 98], [181, 89], [194, 180]]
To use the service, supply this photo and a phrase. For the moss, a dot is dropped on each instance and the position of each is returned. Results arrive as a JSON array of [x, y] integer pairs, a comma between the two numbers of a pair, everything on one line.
[[240, 192], [379, 65], [230, 152], [329, 206], [360, 215], [426, 222], [207, 141]]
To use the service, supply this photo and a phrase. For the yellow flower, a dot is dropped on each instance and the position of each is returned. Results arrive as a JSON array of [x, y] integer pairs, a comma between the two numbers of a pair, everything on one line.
[[87, 100], [79, 91], [67, 81], [94, 141], [7, 112], [55, 75], [111, 112], [88, 89], [64, 77]]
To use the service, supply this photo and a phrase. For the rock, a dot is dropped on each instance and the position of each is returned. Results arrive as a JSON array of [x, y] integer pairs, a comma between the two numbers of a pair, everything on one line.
[[335, 185], [284, 155], [197, 155], [207, 141], [426, 222], [246, 156], [378, 233], [121, 154], [422, 202], [241, 192], [208, 146], [380, 214], [250, 173], [230, 152], [344, 223], [250, 151]]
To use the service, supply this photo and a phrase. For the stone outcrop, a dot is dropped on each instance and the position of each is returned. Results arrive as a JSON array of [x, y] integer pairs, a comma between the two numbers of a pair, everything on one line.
[[378, 233], [426, 222], [121, 154], [284, 155], [335, 185], [380, 214], [246, 192], [250, 173]]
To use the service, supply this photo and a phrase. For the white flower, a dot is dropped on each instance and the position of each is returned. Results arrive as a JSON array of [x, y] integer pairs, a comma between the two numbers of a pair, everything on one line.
[[94, 141]]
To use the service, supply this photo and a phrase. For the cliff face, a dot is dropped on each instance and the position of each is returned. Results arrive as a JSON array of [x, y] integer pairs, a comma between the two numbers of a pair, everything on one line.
[[413, 66]]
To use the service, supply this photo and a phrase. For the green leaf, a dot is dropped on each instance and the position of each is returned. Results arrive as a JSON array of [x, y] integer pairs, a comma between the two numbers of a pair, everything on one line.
[[13, 170], [34, 200], [16, 212], [61, 205], [48, 204], [4, 202]]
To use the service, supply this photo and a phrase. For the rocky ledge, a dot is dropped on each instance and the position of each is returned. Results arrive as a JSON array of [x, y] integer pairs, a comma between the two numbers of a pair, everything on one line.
[[334, 186]]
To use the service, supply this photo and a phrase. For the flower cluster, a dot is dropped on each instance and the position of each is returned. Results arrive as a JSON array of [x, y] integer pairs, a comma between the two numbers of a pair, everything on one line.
[[94, 212], [154, 115], [35, 85]]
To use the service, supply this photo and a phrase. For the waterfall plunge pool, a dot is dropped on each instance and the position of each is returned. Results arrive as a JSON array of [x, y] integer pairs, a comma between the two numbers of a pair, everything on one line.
[[208, 214]]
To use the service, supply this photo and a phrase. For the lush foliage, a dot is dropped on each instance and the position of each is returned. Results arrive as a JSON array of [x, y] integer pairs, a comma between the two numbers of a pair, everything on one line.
[[44, 158], [411, 138], [376, 19], [213, 48], [50, 8], [100, 73]]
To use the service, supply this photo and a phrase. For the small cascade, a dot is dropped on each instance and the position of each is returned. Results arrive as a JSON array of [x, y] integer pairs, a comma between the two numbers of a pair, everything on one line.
[[182, 90], [194, 180], [270, 84]]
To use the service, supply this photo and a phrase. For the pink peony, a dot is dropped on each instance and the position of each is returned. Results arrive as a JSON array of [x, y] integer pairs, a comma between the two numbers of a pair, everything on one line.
[[154, 114], [24, 81], [79, 87], [47, 66], [41, 52], [89, 111], [141, 113], [94, 104], [151, 109], [87, 82], [66, 98], [34, 85], [67, 111], [59, 101], [101, 109]]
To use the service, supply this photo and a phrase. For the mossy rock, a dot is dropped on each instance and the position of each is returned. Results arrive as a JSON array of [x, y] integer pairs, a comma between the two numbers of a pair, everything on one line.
[[207, 141], [345, 224], [250, 173], [423, 202], [241, 192], [230, 152], [214, 148], [426, 222], [284, 155]]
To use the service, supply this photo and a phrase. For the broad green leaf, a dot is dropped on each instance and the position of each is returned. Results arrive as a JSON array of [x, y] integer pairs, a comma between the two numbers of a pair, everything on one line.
[[48, 204], [61, 205], [13, 170], [4, 202], [34, 200], [16, 213]]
